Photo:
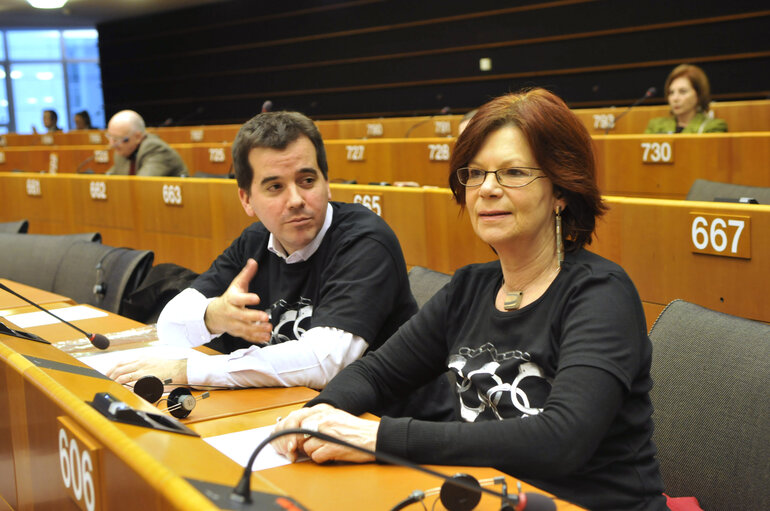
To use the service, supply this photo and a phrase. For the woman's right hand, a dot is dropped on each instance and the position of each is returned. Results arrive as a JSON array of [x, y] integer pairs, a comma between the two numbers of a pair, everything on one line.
[[291, 445]]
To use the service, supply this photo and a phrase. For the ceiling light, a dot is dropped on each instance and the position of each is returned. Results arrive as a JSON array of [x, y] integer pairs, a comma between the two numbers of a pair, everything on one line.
[[47, 4]]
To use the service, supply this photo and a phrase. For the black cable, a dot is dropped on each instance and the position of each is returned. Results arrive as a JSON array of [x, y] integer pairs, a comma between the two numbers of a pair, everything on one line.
[[242, 491]]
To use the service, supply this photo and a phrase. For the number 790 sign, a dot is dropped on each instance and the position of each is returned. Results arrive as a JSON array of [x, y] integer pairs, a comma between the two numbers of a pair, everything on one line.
[[721, 235]]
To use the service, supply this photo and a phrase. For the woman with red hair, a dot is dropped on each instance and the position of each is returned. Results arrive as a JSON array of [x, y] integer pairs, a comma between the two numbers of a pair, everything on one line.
[[548, 344]]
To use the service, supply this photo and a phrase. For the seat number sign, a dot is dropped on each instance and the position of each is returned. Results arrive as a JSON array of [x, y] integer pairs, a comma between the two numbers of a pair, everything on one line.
[[722, 235], [79, 464]]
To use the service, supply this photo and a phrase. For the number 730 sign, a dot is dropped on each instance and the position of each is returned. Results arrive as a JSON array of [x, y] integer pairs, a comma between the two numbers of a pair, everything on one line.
[[722, 235]]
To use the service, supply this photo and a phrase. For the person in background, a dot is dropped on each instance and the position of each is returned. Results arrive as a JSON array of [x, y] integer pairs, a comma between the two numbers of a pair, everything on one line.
[[138, 152], [83, 121], [50, 122], [689, 95], [548, 344]]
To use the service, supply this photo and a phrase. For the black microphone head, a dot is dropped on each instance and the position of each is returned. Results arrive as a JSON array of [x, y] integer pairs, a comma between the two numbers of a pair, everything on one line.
[[459, 498], [537, 502], [149, 388], [267, 106], [99, 341], [651, 92]]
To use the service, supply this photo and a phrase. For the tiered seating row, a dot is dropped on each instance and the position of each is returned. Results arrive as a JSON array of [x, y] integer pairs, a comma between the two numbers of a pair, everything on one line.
[[662, 166], [713, 254], [741, 116]]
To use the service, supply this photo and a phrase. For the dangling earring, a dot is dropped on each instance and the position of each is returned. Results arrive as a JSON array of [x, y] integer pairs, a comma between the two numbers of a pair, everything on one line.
[[559, 247]]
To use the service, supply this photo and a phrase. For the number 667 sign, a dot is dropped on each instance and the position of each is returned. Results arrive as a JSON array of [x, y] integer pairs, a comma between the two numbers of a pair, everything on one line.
[[723, 235]]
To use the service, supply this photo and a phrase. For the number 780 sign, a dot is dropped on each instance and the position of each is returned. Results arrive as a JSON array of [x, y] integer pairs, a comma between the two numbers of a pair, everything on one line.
[[723, 235]]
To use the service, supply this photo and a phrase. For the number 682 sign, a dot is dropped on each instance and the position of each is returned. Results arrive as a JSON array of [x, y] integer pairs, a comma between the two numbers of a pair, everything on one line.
[[722, 235]]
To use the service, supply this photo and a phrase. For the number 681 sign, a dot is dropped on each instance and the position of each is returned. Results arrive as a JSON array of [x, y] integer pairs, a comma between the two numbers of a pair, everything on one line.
[[721, 235]]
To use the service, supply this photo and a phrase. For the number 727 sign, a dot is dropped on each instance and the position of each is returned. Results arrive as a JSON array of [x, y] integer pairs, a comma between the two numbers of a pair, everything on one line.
[[723, 235]]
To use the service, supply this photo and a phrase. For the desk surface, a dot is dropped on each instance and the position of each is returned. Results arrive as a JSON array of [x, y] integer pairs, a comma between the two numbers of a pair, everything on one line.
[[156, 467], [9, 301]]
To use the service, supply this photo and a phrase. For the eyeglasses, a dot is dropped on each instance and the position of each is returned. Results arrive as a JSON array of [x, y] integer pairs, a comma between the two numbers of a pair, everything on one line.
[[113, 140], [513, 177]]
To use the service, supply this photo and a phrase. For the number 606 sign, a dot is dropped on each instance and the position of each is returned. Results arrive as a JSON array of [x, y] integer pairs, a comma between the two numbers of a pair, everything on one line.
[[722, 235], [79, 465]]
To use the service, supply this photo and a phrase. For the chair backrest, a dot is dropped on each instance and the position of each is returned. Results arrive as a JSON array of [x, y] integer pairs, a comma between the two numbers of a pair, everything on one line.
[[19, 227], [424, 283], [712, 412], [34, 259], [704, 190], [116, 272], [162, 283]]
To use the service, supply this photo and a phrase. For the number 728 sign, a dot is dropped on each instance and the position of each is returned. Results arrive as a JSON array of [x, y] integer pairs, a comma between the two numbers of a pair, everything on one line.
[[723, 235]]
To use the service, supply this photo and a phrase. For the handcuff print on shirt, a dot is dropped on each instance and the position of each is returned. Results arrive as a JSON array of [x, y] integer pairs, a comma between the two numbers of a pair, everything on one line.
[[482, 390], [293, 319]]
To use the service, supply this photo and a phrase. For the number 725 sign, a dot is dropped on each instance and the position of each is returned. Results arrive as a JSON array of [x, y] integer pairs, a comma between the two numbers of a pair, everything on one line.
[[723, 235]]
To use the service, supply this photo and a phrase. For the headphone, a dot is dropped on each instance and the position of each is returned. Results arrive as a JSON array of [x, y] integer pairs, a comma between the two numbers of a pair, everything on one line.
[[180, 401], [100, 285]]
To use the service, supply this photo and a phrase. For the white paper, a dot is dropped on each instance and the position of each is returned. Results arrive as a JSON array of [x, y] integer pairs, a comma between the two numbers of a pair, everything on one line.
[[238, 447], [40, 318], [103, 362]]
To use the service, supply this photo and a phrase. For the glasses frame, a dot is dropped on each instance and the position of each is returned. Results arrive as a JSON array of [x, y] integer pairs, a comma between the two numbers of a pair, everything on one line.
[[116, 141], [497, 176]]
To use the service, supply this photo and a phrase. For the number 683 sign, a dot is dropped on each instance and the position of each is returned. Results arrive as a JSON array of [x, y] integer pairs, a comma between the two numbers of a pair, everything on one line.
[[722, 235]]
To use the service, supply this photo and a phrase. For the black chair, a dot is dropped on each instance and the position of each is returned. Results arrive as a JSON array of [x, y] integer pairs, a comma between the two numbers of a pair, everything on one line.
[[20, 227], [424, 283], [34, 259], [712, 413], [101, 275], [704, 190]]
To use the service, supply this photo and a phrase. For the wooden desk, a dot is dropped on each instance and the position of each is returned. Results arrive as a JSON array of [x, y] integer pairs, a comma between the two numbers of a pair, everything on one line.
[[635, 233], [48, 428], [62, 332], [377, 486], [665, 166], [660, 166], [39, 296], [740, 116], [44, 404]]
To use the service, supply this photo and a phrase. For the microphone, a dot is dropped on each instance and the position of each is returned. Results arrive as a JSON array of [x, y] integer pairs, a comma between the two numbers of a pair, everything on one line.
[[189, 115], [83, 164], [444, 111], [98, 340], [457, 491], [267, 106], [648, 94]]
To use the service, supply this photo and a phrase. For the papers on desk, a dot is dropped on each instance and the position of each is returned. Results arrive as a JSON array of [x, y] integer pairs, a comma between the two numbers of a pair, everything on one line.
[[40, 318], [103, 362], [238, 447]]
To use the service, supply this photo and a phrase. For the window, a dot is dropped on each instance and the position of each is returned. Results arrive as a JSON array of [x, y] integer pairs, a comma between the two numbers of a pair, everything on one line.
[[49, 70]]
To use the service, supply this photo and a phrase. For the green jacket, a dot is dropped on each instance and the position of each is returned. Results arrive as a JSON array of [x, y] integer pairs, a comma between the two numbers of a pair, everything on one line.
[[701, 123]]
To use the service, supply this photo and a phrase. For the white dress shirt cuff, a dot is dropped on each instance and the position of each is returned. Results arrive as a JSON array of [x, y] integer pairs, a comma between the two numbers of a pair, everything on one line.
[[182, 320]]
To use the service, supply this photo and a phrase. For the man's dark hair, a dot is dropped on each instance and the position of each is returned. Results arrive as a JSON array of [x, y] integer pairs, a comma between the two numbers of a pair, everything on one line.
[[273, 130], [54, 115]]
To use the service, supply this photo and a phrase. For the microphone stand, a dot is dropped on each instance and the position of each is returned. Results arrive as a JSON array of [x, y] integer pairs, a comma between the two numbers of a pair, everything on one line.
[[646, 95], [98, 340], [242, 492]]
